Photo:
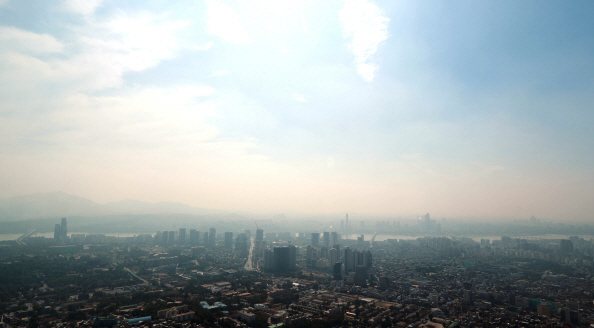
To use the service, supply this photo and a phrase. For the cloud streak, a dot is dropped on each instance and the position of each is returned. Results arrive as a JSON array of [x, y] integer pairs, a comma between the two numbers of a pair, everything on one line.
[[223, 22], [366, 27]]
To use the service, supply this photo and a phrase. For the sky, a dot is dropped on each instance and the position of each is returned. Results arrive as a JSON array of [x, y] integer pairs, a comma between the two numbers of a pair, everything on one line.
[[457, 108]]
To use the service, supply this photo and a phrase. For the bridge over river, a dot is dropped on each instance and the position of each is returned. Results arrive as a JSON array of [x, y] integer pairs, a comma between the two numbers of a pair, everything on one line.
[[25, 235]]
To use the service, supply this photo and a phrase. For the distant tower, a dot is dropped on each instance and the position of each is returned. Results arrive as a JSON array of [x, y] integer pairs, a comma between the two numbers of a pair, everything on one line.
[[285, 258], [292, 257], [182, 236], [212, 237], [361, 276], [566, 246], [368, 259], [171, 239], [58, 232], [333, 256], [241, 244], [334, 238], [337, 271], [229, 240], [315, 239], [327, 239], [259, 234], [347, 222], [348, 258], [205, 238], [194, 236], [64, 229]]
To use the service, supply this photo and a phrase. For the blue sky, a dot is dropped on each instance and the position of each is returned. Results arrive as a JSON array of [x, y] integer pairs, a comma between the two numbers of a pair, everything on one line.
[[463, 108]]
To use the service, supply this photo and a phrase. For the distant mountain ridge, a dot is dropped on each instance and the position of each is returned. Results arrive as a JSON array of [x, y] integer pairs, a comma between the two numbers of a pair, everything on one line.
[[61, 204]]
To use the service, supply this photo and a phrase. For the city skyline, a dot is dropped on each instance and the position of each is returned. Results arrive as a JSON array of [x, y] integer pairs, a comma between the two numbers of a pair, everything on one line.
[[373, 107]]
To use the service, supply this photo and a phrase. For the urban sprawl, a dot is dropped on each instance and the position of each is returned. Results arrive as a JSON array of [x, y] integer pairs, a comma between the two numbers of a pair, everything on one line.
[[259, 278]]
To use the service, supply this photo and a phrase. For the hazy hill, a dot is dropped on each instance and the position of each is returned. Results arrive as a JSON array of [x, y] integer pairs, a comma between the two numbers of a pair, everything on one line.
[[60, 204], [48, 205], [130, 206]]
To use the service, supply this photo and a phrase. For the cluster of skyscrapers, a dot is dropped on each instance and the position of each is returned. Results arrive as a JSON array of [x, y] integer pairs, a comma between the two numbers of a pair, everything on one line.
[[351, 263], [429, 226], [280, 259], [61, 231], [181, 237]]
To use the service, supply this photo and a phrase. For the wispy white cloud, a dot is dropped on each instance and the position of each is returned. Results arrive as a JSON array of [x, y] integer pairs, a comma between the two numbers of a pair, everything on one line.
[[99, 54], [303, 25], [365, 25], [220, 72], [134, 42], [207, 46], [82, 7], [298, 97], [13, 40], [143, 120], [223, 22]]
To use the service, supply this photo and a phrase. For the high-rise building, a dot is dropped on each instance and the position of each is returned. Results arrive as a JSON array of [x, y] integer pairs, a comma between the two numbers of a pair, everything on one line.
[[334, 238], [280, 257], [58, 232], [346, 225], [171, 238], [228, 240], [285, 258], [426, 224], [292, 258], [368, 259], [205, 238], [212, 237], [268, 260], [241, 245], [259, 246], [348, 258], [361, 240], [182, 236], [361, 276], [333, 256], [358, 256], [315, 239], [259, 234], [327, 239], [194, 237], [337, 270], [566, 246], [164, 238], [309, 255], [64, 229], [324, 252]]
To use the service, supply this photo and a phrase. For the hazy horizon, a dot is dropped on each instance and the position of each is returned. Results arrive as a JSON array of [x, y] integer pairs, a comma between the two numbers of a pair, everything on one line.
[[464, 109], [60, 204]]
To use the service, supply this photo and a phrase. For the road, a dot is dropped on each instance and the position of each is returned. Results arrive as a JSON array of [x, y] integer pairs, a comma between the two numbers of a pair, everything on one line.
[[27, 234], [144, 282]]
